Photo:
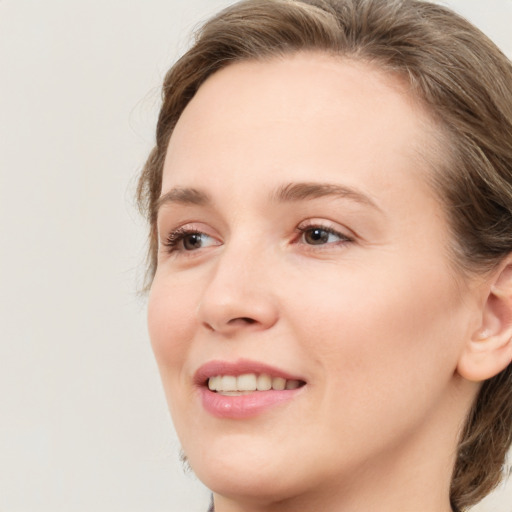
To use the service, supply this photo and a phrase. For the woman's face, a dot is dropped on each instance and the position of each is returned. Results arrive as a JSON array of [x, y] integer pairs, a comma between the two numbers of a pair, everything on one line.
[[300, 246]]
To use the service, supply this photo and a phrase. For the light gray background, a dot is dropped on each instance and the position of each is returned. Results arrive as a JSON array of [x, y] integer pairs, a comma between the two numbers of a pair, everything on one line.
[[83, 420]]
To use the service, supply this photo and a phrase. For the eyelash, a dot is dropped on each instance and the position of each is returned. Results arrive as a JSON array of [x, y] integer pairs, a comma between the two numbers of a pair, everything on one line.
[[178, 235], [343, 238]]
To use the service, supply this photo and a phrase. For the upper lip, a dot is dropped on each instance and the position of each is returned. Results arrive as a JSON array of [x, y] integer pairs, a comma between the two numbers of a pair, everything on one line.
[[239, 367]]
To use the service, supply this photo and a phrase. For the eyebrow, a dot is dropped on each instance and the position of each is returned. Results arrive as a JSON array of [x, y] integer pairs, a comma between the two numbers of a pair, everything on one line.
[[291, 192], [185, 196], [303, 191]]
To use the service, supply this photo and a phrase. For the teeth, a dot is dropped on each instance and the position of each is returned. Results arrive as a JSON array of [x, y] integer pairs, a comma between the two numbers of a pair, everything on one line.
[[231, 385], [246, 382], [228, 383], [278, 383], [213, 383], [292, 384], [264, 382]]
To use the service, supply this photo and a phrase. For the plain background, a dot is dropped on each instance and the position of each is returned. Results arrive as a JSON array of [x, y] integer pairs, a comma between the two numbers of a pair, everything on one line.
[[83, 420]]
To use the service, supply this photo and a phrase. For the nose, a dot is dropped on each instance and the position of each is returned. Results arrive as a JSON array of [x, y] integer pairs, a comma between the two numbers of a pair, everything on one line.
[[239, 294]]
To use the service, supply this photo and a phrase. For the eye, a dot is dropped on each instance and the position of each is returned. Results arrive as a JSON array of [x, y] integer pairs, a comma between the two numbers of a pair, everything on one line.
[[319, 235], [184, 239], [194, 241]]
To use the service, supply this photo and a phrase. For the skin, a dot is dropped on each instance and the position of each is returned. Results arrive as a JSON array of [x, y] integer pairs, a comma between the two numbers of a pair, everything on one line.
[[374, 320]]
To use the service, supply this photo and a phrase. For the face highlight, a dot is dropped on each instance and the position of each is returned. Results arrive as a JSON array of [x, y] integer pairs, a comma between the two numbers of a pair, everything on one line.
[[304, 314]]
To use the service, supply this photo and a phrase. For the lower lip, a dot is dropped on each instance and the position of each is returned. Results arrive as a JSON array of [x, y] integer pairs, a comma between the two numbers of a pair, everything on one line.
[[244, 406]]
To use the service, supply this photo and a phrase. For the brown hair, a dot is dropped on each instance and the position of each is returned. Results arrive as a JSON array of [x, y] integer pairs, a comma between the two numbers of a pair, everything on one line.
[[466, 84]]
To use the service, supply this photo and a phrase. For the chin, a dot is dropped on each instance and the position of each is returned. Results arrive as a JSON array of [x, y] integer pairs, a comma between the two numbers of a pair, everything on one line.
[[238, 469], [252, 487]]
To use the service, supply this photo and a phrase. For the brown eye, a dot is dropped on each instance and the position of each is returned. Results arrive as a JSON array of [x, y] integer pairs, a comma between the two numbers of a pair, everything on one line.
[[316, 236], [322, 236], [186, 240], [193, 241]]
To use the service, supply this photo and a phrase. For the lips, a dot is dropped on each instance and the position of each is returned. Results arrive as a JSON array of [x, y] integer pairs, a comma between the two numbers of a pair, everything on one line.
[[240, 367], [244, 388]]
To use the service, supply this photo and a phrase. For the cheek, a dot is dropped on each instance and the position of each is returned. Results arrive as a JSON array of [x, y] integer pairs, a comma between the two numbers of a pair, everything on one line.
[[393, 330], [384, 350], [171, 322]]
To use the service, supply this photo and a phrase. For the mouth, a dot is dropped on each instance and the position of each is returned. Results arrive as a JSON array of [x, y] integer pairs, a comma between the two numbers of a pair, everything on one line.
[[244, 388], [231, 385]]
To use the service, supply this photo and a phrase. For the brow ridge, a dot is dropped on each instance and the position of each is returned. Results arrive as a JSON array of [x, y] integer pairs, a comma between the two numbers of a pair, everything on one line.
[[182, 195], [311, 190], [290, 192]]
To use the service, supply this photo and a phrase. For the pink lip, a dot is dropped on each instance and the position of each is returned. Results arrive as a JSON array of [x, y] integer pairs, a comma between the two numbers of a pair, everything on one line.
[[242, 406]]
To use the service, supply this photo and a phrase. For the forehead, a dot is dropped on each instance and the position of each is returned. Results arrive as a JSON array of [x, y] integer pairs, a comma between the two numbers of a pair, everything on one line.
[[285, 113]]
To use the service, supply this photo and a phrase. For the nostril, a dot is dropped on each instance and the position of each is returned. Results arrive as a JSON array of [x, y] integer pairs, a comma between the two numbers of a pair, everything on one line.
[[242, 319], [233, 323]]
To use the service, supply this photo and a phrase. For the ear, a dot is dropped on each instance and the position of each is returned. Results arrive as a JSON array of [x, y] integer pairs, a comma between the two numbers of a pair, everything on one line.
[[489, 351]]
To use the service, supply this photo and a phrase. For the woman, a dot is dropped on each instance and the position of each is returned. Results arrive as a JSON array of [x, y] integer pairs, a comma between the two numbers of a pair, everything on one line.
[[330, 202]]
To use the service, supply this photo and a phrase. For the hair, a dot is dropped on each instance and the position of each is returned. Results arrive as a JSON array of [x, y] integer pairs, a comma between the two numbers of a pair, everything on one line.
[[464, 81]]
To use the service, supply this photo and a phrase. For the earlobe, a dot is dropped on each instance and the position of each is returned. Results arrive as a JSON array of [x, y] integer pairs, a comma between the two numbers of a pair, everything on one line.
[[489, 351]]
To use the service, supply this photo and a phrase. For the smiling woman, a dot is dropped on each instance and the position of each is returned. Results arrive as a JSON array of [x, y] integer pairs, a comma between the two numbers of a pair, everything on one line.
[[330, 201]]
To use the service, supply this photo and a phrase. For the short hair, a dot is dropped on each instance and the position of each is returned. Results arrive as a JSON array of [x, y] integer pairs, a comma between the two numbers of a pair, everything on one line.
[[464, 81]]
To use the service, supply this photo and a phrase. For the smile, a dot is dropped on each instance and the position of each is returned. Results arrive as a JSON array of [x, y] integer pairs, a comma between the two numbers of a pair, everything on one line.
[[231, 385], [244, 388]]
